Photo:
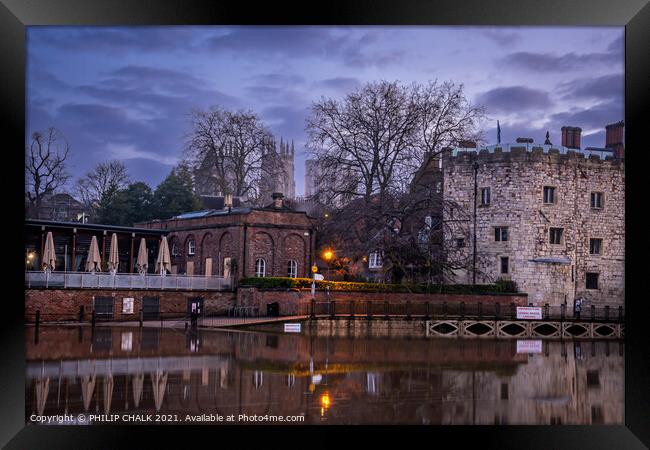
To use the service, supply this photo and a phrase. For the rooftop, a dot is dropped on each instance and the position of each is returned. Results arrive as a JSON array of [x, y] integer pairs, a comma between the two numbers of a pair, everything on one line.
[[602, 153]]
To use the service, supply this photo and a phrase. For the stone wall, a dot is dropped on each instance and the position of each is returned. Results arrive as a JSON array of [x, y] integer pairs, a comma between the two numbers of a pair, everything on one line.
[[516, 180], [64, 304], [296, 301]]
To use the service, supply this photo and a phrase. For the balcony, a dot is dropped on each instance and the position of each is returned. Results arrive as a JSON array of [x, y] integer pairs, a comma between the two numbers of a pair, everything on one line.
[[86, 280]]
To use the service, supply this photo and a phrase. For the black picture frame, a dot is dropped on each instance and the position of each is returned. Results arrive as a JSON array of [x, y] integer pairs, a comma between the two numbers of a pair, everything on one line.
[[15, 15]]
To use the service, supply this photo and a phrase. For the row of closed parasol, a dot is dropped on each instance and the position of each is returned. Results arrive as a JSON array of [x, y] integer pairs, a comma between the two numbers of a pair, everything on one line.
[[94, 260]]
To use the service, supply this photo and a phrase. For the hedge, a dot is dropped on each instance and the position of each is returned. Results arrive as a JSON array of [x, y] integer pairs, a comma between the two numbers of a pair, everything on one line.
[[501, 286]]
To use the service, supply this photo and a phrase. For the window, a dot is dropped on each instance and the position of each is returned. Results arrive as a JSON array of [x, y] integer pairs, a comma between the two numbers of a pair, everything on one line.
[[592, 281], [555, 235], [460, 242], [595, 246], [292, 269], [593, 380], [375, 260], [549, 195], [596, 414], [191, 247], [504, 391], [597, 200], [174, 249], [485, 196], [500, 234], [260, 267], [504, 264]]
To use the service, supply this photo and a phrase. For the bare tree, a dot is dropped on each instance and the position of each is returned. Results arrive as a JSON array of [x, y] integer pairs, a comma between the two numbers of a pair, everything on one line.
[[105, 177], [227, 150], [45, 166], [378, 154]]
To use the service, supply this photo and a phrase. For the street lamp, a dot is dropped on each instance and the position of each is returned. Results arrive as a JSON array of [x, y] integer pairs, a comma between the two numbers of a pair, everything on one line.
[[327, 256]]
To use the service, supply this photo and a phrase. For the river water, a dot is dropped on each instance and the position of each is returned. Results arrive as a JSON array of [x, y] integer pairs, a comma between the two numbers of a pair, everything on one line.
[[150, 375]]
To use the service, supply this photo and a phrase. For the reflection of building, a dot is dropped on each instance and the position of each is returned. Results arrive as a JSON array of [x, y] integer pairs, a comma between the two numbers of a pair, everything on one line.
[[274, 240], [363, 380], [551, 218], [62, 207]]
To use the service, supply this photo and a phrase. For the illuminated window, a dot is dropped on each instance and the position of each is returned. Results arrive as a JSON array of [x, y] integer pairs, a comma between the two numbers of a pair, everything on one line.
[[375, 261], [292, 269], [191, 247], [260, 267], [174, 249]]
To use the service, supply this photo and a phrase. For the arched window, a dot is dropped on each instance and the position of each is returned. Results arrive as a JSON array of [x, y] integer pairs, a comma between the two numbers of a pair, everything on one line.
[[260, 267], [191, 247], [174, 249], [292, 269]]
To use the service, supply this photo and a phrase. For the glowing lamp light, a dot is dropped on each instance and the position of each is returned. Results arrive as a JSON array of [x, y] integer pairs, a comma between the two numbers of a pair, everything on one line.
[[325, 402], [328, 255]]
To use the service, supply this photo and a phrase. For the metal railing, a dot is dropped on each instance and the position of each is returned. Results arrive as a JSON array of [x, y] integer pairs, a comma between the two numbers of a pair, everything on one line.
[[456, 310], [71, 280]]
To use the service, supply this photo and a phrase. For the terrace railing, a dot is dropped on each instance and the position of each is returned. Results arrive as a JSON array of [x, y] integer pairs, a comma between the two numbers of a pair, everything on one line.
[[86, 280]]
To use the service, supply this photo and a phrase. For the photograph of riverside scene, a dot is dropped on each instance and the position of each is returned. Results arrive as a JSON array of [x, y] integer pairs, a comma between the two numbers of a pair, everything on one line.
[[325, 225]]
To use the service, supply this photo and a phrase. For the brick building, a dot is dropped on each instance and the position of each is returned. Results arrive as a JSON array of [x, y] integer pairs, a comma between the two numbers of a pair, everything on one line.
[[243, 241], [551, 218]]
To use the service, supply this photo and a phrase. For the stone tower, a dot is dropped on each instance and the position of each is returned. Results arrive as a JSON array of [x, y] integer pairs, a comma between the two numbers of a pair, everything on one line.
[[278, 170]]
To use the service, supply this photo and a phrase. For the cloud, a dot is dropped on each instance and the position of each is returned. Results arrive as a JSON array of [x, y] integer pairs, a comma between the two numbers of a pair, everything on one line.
[[278, 79], [345, 84], [551, 62], [502, 38], [514, 98], [593, 118], [117, 40], [121, 151], [602, 88], [286, 121]]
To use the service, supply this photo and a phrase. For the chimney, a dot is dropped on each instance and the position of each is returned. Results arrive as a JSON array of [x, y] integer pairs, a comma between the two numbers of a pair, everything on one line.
[[571, 137], [228, 202], [277, 200], [615, 138]]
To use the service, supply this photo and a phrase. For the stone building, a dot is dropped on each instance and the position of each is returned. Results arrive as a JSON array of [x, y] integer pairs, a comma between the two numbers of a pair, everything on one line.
[[243, 241], [278, 170], [550, 218]]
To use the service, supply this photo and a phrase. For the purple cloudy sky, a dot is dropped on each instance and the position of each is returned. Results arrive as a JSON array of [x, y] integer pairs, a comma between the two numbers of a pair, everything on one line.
[[125, 93]]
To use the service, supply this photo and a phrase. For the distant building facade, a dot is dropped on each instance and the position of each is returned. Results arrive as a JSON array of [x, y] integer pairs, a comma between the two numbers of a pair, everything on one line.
[[278, 171], [244, 241], [59, 207], [550, 218]]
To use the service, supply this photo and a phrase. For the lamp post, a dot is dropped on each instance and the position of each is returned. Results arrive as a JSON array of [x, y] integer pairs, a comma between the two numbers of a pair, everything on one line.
[[327, 256], [314, 269]]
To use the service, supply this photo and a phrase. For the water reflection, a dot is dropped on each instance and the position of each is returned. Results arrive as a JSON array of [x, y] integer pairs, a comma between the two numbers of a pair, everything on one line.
[[343, 380]]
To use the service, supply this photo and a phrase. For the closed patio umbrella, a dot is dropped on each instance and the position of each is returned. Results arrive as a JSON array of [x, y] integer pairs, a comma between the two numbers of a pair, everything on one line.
[[143, 261], [42, 389], [94, 261], [164, 261], [87, 389], [114, 259], [138, 381], [49, 256], [158, 384]]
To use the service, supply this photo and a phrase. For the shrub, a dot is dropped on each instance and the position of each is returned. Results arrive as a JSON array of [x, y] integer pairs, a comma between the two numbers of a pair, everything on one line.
[[501, 286]]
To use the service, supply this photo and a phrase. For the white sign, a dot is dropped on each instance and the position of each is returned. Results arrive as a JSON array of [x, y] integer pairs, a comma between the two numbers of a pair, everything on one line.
[[127, 305], [318, 277], [529, 312], [292, 328], [529, 346]]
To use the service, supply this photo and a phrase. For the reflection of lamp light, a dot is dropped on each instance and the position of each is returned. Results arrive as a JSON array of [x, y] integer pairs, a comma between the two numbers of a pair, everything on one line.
[[325, 402], [30, 255]]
